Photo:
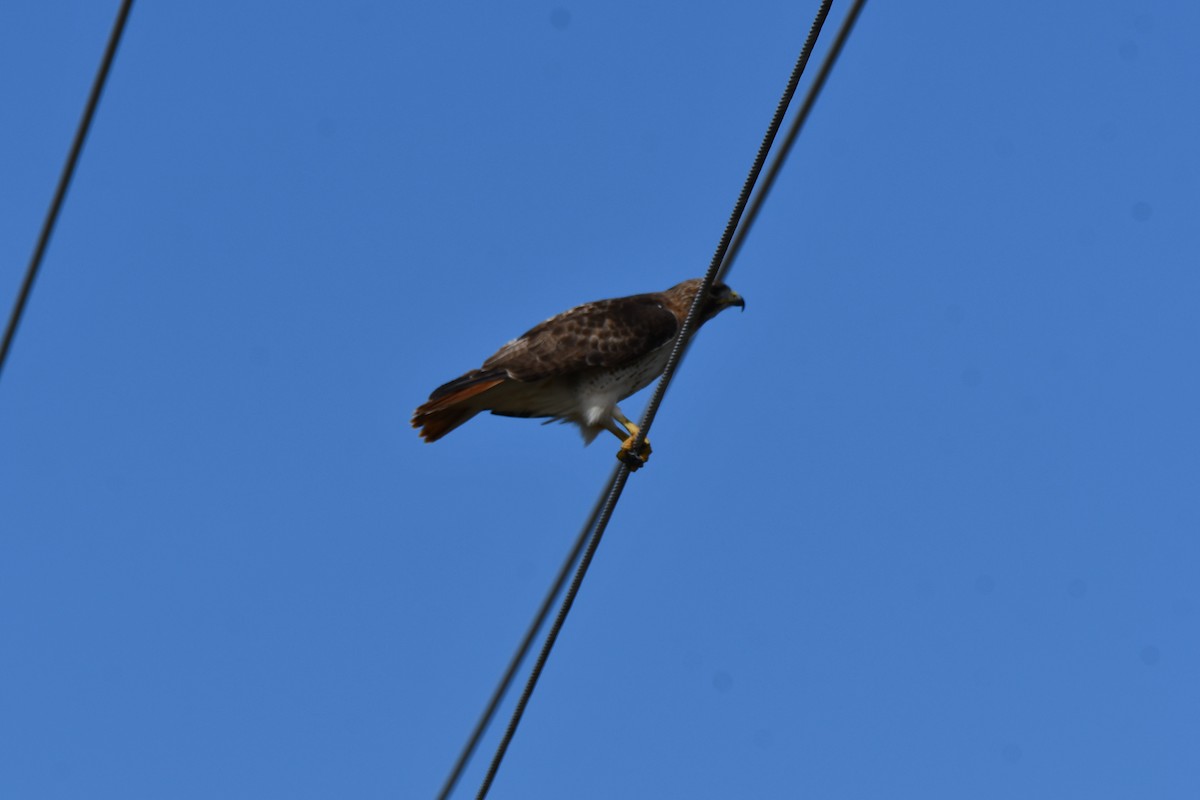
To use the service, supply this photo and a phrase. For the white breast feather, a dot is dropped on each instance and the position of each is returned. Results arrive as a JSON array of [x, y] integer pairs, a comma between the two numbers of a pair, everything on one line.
[[600, 393]]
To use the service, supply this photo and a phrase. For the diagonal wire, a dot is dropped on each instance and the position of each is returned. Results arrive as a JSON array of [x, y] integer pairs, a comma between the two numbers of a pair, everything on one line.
[[64, 180], [610, 503], [781, 154], [523, 648], [601, 513], [689, 324], [598, 523]]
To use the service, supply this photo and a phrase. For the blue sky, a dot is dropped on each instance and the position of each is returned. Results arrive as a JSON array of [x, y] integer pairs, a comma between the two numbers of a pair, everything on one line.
[[921, 522]]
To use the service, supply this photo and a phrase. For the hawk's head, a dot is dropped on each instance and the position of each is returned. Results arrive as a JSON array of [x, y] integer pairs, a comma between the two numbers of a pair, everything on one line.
[[720, 297]]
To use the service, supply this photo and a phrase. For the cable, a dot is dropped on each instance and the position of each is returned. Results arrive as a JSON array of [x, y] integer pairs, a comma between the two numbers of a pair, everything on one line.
[[768, 180], [64, 181], [522, 650], [781, 153], [689, 324], [599, 523], [610, 503]]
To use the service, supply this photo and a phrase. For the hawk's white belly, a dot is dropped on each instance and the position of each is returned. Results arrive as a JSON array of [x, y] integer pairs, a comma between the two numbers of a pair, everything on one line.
[[601, 390]]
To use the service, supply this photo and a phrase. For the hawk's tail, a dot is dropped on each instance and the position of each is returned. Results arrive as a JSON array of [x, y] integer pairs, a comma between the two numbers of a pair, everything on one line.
[[451, 404], [433, 425]]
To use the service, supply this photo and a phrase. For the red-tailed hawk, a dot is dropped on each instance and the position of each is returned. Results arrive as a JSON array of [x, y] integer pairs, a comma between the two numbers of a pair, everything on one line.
[[576, 367]]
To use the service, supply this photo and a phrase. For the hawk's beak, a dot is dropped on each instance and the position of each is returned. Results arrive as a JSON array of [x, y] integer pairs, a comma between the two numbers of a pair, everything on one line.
[[735, 299]]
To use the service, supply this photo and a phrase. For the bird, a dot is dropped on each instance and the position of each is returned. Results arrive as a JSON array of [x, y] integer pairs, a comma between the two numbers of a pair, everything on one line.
[[576, 366]]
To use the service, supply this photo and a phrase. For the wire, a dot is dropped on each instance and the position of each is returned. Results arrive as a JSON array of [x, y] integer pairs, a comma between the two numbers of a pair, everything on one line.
[[64, 181], [522, 650], [599, 522], [610, 503], [710, 277], [781, 154]]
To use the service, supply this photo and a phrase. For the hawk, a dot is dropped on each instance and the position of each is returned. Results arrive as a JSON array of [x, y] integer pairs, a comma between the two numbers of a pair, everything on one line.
[[576, 366]]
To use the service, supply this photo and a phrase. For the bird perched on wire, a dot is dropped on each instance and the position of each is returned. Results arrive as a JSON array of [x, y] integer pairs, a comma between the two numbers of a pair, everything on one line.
[[576, 366]]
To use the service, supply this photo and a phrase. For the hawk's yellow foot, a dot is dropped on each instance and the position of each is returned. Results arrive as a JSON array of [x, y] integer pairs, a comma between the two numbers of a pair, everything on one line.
[[626, 454]]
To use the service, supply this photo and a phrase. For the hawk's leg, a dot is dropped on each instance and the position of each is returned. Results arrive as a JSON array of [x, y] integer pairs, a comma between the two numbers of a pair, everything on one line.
[[626, 430]]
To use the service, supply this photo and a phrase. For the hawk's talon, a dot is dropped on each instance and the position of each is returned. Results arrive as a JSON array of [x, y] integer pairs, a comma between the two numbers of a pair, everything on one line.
[[631, 459]]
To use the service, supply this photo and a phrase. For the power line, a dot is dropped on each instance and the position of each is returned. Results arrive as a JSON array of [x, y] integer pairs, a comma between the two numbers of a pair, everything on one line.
[[610, 502], [64, 180], [721, 261], [522, 650], [602, 511], [810, 99], [735, 217]]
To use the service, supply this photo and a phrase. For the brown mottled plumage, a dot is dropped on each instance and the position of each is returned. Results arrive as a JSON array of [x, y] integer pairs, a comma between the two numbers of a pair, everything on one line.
[[575, 367]]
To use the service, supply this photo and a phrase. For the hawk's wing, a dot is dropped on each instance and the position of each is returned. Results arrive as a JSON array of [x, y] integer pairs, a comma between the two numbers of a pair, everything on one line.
[[604, 334]]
